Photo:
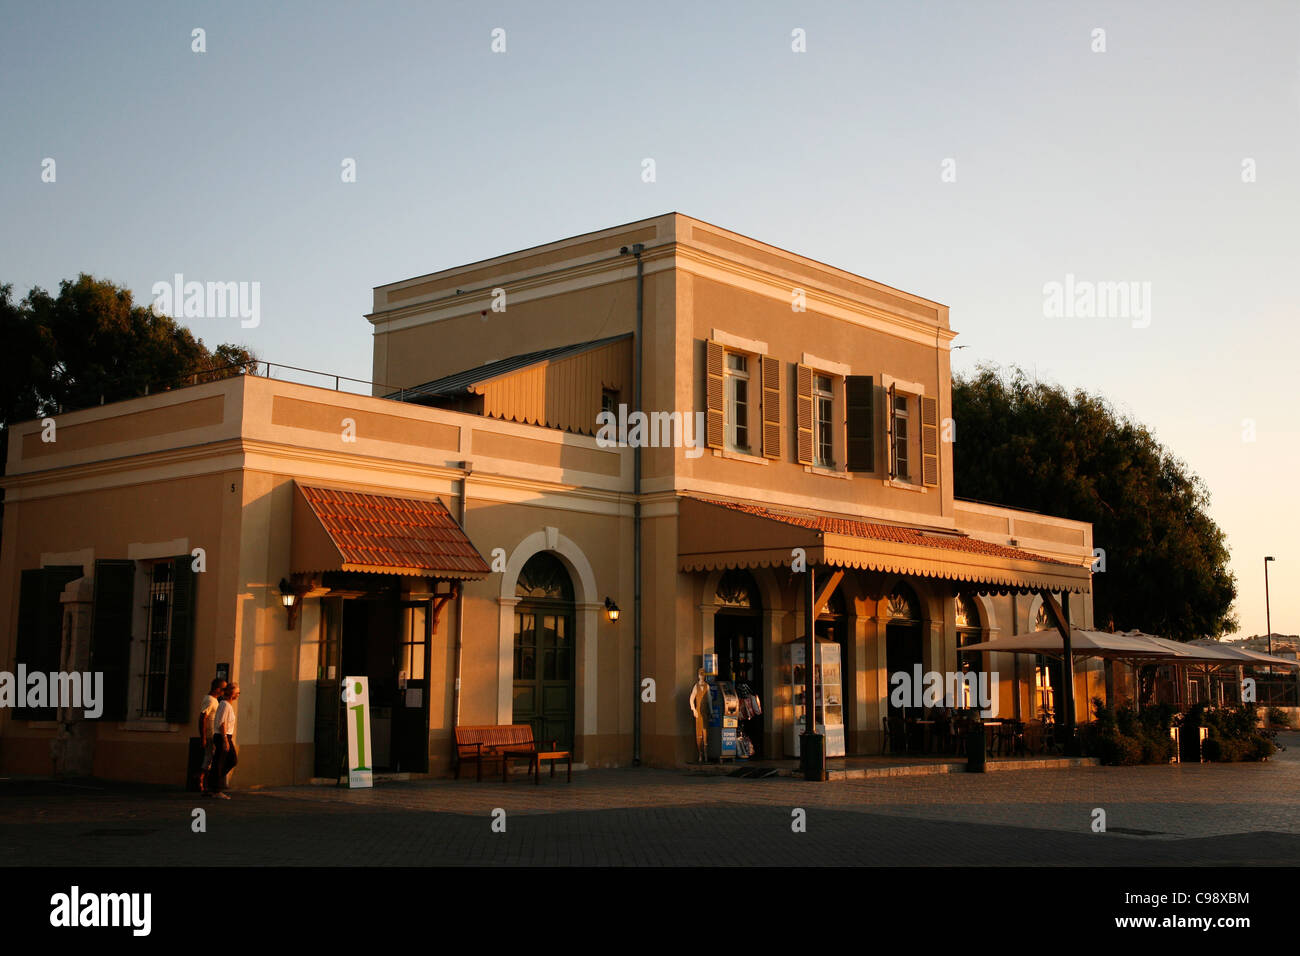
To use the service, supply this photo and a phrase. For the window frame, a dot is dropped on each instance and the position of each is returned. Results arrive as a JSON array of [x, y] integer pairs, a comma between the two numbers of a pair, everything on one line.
[[915, 394], [827, 423], [903, 417], [731, 379]]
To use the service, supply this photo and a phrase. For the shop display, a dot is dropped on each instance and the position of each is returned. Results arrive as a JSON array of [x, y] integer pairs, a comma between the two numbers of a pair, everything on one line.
[[829, 704]]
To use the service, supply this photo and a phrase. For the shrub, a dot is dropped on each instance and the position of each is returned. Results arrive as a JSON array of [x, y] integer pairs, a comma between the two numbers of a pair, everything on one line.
[[1278, 717], [1118, 750], [1260, 748], [1156, 748]]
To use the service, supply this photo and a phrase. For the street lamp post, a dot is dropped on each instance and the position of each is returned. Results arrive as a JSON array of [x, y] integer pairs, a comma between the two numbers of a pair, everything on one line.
[[1268, 618]]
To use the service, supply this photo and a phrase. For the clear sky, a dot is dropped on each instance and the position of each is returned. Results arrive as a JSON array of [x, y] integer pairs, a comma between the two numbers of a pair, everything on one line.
[[1122, 165]]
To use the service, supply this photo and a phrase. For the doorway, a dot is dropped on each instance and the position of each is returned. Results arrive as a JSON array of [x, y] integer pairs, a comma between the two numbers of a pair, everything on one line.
[[386, 640], [737, 640], [545, 653]]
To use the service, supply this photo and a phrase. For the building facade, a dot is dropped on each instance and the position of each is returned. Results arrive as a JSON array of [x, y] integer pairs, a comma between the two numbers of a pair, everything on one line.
[[460, 534]]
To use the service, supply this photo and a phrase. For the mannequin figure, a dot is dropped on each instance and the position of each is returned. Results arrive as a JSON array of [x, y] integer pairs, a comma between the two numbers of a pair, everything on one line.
[[699, 700]]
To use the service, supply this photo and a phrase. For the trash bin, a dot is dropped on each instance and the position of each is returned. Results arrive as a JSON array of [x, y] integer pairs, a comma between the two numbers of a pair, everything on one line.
[[812, 751], [976, 752], [193, 763]]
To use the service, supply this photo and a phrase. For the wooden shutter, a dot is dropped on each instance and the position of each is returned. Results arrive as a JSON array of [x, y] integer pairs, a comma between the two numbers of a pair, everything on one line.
[[40, 628], [110, 649], [180, 656], [929, 441], [715, 358], [889, 430], [804, 412], [859, 401], [771, 372]]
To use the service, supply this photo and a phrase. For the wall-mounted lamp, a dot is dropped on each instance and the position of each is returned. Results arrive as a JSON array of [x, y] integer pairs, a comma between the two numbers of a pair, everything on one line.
[[611, 611], [289, 598]]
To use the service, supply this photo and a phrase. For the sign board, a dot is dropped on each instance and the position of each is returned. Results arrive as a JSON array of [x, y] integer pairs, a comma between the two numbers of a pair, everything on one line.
[[356, 700]]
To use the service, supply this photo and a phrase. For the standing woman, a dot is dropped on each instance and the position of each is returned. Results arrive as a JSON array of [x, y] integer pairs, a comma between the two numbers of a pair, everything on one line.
[[225, 755]]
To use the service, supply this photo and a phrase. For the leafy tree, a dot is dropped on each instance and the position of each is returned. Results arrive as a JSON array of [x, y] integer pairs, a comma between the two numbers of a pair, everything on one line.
[[92, 343], [1031, 445]]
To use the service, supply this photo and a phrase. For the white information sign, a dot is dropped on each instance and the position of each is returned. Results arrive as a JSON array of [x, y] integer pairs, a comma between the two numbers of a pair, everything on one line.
[[356, 701]]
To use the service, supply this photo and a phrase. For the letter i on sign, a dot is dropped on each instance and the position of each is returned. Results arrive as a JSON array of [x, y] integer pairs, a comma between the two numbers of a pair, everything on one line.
[[360, 711]]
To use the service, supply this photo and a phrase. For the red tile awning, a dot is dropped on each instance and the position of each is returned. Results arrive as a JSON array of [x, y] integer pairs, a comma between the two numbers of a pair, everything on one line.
[[336, 530], [714, 534]]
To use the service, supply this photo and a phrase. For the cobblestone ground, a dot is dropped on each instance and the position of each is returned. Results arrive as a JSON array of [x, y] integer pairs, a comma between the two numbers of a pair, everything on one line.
[[1182, 815]]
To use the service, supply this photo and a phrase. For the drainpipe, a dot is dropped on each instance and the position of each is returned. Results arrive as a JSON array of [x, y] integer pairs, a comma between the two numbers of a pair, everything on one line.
[[467, 469], [636, 250]]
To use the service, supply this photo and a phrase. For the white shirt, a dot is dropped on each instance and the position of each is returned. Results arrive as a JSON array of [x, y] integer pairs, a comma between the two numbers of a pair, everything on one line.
[[210, 704], [225, 722]]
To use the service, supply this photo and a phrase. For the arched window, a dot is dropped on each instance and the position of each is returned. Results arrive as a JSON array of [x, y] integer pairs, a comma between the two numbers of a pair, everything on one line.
[[544, 578], [1041, 621], [738, 590], [903, 605], [969, 631]]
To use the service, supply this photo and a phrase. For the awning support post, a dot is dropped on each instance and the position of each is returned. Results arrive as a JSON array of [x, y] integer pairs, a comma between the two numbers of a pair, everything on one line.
[[1060, 614], [812, 745]]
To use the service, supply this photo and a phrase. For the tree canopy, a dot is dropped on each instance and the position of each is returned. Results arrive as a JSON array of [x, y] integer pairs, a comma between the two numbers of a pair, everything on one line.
[[1031, 445], [92, 343]]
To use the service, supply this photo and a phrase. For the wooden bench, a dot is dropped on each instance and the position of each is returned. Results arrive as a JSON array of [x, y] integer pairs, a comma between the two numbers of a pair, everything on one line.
[[505, 742]]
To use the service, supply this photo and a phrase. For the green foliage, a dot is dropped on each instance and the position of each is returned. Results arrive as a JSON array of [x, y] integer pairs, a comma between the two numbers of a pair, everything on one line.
[[91, 342], [1277, 717], [1026, 444], [1234, 734], [1124, 736]]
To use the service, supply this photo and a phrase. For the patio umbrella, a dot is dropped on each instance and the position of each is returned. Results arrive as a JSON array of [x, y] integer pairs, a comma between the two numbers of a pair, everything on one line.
[[1239, 655], [1083, 643]]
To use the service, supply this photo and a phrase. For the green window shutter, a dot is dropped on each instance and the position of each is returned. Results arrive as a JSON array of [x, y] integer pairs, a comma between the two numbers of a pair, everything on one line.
[[771, 375], [180, 656], [859, 401], [929, 442], [713, 374], [803, 408], [40, 627], [110, 641], [29, 632]]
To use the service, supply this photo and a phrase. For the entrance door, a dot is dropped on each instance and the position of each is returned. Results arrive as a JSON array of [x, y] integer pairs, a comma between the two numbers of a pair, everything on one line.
[[902, 652], [330, 757], [740, 660], [411, 706], [543, 692], [544, 650]]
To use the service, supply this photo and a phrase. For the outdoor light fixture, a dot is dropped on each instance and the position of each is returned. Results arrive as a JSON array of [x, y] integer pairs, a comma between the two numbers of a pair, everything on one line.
[[289, 598], [611, 611]]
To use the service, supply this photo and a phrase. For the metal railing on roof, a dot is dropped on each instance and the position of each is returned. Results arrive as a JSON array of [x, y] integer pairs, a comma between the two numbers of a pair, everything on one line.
[[202, 376]]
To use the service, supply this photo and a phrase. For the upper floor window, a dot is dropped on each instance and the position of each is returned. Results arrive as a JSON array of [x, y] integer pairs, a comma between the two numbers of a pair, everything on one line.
[[901, 438], [743, 397], [912, 422], [738, 401], [609, 400], [823, 418]]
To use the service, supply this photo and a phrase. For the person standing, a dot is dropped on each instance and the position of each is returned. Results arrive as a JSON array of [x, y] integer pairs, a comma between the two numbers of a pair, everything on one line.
[[207, 715], [226, 755]]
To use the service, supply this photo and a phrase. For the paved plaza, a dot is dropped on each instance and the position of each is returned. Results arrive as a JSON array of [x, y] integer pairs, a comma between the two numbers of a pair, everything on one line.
[[1211, 814]]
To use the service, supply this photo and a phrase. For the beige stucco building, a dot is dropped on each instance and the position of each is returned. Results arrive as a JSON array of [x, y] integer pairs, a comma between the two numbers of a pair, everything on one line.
[[166, 524]]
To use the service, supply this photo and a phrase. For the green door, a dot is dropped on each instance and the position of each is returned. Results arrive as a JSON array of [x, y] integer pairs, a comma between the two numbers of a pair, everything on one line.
[[544, 650], [544, 661]]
